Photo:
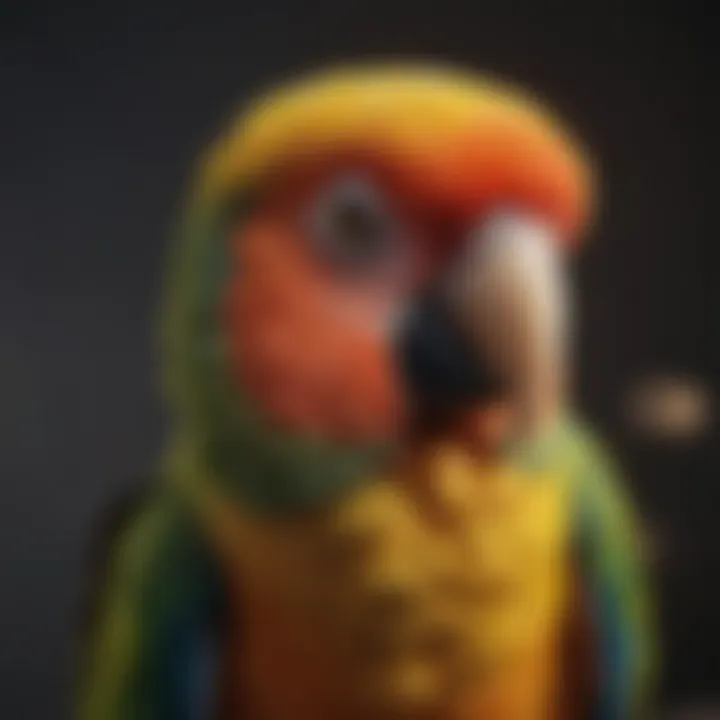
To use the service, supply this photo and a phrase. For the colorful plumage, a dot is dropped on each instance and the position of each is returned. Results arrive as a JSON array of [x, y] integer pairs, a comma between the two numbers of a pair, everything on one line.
[[375, 502]]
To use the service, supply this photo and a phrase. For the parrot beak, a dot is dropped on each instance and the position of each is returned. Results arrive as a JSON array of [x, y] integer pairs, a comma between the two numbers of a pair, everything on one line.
[[496, 330]]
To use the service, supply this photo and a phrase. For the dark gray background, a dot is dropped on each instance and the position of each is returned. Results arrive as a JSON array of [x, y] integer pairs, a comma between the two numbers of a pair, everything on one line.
[[102, 110]]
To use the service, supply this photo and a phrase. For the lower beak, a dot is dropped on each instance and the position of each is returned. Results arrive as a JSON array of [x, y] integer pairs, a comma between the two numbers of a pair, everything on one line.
[[443, 371]]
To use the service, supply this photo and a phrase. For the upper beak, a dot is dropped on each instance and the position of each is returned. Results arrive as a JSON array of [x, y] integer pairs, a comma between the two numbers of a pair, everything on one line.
[[495, 327]]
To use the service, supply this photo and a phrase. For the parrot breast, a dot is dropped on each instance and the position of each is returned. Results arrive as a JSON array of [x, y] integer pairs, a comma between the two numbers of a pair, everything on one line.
[[435, 593]]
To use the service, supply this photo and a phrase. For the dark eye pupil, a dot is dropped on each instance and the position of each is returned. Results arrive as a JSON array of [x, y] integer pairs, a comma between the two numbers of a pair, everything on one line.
[[354, 229], [358, 227]]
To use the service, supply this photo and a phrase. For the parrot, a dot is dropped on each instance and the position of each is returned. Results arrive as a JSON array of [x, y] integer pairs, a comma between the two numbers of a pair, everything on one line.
[[377, 498]]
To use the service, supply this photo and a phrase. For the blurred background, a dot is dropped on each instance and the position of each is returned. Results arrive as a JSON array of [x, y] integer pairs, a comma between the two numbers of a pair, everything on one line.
[[103, 109]]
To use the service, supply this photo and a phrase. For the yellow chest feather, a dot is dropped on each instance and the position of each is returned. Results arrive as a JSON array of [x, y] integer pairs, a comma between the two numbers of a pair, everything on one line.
[[433, 593]]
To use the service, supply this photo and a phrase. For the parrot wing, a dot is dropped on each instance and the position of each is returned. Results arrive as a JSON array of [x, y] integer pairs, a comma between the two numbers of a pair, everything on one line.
[[613, 586], [153, 635]]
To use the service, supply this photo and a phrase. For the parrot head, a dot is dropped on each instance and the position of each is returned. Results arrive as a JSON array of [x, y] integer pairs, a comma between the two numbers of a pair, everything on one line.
[[369, 253]]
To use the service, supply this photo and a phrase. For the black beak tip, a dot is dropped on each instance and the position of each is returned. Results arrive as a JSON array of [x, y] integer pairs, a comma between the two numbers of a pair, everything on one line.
[[442, 371]]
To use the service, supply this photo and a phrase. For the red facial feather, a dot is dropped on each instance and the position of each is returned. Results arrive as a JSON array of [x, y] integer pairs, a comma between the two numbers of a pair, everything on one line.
[[307, 365]]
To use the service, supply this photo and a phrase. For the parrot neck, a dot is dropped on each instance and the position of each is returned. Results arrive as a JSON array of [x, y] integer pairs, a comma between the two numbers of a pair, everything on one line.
[[489, 430]]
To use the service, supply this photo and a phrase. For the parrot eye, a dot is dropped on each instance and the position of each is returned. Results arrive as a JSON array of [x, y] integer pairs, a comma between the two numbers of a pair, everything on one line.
[[353, 227]]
